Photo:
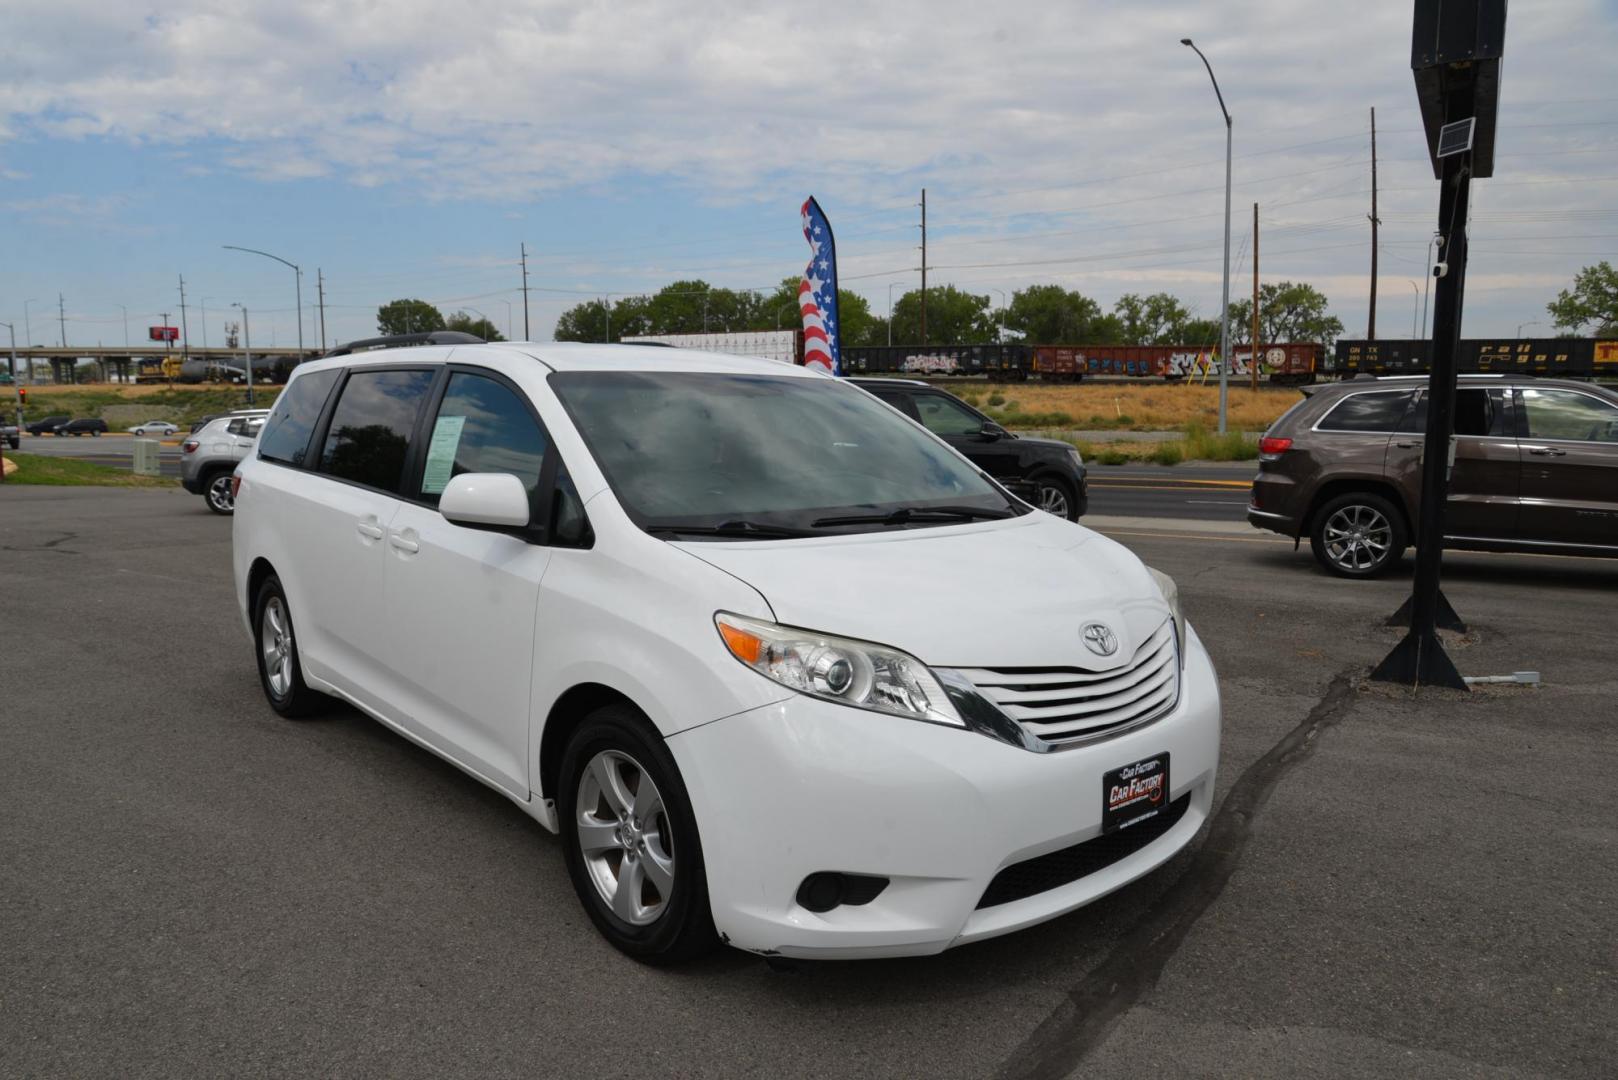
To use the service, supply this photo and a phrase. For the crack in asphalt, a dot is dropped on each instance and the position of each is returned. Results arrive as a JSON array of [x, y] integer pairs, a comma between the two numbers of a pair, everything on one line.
[[1084, 1019], [49, 545]]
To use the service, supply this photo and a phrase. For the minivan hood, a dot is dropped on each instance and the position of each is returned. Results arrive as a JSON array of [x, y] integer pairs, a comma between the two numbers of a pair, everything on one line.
[[1013, 593]]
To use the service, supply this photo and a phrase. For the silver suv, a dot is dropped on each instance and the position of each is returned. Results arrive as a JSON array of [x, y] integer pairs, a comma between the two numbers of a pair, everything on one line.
[[208, 456]]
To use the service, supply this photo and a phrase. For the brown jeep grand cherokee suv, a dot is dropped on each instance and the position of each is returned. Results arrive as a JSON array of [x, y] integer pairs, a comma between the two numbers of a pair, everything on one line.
[[1536, 469]]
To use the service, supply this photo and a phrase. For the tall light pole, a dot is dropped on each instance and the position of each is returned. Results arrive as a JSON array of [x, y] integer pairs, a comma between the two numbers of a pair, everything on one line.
[[297, 276], [27, 333], [480, 315], [891, 284], [1415, 300], [508, 318], [1520, 325], [1224, 307], [247, 350], [126, 324]]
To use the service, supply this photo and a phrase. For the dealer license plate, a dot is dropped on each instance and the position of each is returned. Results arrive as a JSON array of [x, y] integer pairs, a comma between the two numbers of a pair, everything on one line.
[[1134, 793]]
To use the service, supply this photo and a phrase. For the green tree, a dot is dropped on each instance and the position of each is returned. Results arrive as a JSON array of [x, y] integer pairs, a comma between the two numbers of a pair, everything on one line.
[[1592, 302], [1202, 332], [1050, 313], [954, 317], [477, 326], [408, 317], [584, 322], [1158, 319], [1287, 311]]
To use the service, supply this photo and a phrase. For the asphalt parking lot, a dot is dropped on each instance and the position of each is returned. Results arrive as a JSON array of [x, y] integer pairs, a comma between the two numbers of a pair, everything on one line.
[[192, 886]]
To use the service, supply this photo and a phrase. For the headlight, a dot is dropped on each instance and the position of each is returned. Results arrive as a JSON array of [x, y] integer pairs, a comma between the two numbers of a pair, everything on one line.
[[1078, 458], [855, 673], [1171, 596]]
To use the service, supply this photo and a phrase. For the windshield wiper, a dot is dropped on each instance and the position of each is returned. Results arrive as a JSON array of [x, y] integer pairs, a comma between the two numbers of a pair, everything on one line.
[[739, 527], [906, 514]]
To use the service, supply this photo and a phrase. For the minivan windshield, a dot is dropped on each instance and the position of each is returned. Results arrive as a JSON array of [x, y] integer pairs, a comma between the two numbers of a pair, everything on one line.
[[741, 456]]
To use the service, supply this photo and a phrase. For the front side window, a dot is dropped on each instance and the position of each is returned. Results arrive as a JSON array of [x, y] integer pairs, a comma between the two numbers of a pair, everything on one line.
[[369, 438], [1569, 416], [286, 433], [767, 454], [1477, 412], [946, 416], [481, 426], [1380, 411]]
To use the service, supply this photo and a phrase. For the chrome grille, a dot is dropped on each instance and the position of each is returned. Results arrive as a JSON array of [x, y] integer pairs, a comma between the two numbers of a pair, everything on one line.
[[1070, 704]]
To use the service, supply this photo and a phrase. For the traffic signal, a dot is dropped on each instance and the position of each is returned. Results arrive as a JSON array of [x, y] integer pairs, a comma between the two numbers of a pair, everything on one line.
[[22, 394]]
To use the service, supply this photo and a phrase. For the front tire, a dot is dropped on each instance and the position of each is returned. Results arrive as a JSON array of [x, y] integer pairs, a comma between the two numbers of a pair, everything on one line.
[[279, 672], [630, 839], [1359, 535], [1055, 496]]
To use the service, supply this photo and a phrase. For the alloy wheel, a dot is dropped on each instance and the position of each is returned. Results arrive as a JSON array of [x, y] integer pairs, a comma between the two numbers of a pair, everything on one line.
[[275, 640], [1053, 500], [1357, 538], [624, 834], [219, 496]]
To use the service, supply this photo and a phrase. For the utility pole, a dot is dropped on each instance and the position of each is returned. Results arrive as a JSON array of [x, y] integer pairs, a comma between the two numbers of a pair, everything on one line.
[[1252, 358], [166, 344], [1370, 323], [185, 329], [924, 266], [525, 332], [320, 286], [61, 314], [247, 351]]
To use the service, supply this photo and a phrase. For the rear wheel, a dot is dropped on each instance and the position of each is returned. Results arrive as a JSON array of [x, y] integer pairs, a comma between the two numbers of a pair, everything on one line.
[[630, 839], [1358, 535], [279, 672], [217, 493]]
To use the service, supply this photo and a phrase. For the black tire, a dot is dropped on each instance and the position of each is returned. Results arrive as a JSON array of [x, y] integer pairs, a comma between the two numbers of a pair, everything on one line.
[[1358, 535], [683, 929], [216, 493], [295, 699], [1055, 495]]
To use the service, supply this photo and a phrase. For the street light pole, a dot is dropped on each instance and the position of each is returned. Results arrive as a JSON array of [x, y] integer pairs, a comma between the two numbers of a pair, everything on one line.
[[1224, 307], [1415, 298], [247, 351], [297, 277], [1520, 325], [1002, 292]]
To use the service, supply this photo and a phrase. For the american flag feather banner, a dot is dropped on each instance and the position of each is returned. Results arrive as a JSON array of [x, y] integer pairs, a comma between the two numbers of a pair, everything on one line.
[[817, 294]]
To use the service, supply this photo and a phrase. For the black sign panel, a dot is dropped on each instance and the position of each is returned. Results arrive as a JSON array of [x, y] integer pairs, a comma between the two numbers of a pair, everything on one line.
[[1134, 793]]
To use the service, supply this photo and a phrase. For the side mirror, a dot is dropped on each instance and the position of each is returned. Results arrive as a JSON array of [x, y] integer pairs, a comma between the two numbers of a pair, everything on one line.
[[483, 500], [990, 431]]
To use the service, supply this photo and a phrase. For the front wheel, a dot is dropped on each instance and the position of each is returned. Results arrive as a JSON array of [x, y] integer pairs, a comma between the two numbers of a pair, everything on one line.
[[1358, 535], [1055, 496], [630, 839]]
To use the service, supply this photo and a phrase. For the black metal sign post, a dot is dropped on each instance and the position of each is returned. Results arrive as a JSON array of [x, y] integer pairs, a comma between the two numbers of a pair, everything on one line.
[[1456, 59]]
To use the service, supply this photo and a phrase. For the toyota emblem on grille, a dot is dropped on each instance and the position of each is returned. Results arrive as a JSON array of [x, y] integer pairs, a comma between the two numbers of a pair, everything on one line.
[[1099, 638]]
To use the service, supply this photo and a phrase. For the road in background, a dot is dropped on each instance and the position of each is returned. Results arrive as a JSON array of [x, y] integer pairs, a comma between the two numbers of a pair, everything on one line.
[[194, 886], [117, 451]]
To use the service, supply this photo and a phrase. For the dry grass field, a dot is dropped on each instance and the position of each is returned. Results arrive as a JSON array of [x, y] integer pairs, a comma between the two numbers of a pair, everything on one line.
[[1151, 407]]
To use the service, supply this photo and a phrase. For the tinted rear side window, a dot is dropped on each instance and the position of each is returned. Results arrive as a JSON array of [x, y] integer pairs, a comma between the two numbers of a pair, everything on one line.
[[1379, 411], [372, 425], [286, 433]]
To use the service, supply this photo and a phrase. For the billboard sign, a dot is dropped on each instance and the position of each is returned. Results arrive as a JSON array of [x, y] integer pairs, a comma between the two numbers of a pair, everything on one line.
[[163, 333]]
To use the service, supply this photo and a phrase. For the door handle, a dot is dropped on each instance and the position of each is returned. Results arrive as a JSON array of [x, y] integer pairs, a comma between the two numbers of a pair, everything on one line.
[[1406, 445], [404, 543], [1547, 451], [366, 528]]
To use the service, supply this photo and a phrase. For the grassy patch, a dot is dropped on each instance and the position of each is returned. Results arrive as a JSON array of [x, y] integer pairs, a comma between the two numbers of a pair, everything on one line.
[[71, 472], [1167, 453], [1232, 446], [1129, 406]]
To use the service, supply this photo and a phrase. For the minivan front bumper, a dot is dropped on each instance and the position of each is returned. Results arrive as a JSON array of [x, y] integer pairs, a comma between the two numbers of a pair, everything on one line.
[[805, 786]]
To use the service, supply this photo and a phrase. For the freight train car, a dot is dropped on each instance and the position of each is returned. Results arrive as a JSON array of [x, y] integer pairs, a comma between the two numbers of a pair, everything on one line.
[[1568, 357], [1279, 363], [1010, 363]]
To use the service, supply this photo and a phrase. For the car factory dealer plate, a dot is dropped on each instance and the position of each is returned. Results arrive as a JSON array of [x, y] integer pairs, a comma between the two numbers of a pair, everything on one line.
[[1134, 793]]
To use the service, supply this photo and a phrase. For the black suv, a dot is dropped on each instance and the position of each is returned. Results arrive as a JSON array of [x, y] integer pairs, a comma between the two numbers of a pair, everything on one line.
[[46, 425], [88, 425], [1045, 472]]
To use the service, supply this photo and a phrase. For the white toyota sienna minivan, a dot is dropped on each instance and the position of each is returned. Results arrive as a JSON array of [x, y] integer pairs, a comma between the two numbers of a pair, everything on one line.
[[781, 667]]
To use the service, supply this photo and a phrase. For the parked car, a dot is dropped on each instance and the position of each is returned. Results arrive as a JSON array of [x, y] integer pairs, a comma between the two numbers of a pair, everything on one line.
[[10, 433], [784, 669], [46, 425], [211, 417], [88, 425], [1048, 473], [1536, 470], [155, 427], [208, 457]]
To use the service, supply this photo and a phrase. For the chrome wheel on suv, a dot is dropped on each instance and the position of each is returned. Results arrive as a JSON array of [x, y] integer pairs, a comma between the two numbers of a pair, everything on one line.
[[1358, 535], [1053, 497], [220, 500], [625, 837]]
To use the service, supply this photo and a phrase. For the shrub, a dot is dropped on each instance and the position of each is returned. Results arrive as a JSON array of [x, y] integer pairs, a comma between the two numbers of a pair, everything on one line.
[[997, 398], [1167, 453]]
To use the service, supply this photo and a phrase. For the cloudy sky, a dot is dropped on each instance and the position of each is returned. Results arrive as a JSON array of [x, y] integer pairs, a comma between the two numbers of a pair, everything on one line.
[[408, 148]]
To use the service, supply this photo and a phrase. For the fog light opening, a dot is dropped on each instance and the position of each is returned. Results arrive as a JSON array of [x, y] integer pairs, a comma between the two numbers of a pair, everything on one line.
[[825, 890]]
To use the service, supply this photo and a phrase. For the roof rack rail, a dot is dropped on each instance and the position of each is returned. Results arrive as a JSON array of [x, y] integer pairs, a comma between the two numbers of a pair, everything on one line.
[[395, 341]]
